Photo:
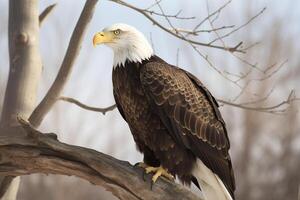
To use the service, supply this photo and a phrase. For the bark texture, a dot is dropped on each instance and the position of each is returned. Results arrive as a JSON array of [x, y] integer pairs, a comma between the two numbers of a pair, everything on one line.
[[24, 73], [125, 181]]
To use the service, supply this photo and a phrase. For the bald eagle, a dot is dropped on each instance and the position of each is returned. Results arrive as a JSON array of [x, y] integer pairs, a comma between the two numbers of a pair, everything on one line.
[[174, 119]]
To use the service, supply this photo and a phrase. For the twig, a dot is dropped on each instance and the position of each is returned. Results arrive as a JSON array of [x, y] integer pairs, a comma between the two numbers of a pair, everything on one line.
[[153, 5], [260, 100], [65, 70], [141, 11], [268, 109], [267, 76], [192, 32], [239, 27], [212, 14], [251, 46], [86, 107], [176, 16], [205, 57], [45, 13]]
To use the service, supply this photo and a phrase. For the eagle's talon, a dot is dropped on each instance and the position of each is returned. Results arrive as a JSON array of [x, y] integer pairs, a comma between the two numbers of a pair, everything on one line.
[[158, 171]]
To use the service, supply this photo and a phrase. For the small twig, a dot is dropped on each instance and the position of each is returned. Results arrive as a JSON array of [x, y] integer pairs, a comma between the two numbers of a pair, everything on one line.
[[192, 32], [66, 67], [260, 100], [251, 46], [45, 13], [267, 76], [212, 14], [153, 5], [205, 57], [176, 16], [239, 76], [269, 109], [86, 107]]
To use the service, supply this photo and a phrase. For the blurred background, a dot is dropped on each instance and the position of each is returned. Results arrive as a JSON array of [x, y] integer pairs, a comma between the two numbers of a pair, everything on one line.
[[265, 147]]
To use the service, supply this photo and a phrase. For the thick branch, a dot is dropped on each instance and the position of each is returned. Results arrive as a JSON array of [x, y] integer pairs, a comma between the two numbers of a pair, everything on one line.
[[65, 70], [38, 153]]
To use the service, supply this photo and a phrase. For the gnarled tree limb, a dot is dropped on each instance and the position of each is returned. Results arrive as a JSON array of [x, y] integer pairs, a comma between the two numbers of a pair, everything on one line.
[[34, 152]]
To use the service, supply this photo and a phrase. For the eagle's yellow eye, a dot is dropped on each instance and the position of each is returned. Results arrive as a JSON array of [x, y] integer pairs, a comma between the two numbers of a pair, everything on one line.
[[117, 32]]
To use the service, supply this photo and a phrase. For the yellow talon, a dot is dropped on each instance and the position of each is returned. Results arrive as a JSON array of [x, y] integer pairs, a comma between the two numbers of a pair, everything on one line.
[[158, 171]]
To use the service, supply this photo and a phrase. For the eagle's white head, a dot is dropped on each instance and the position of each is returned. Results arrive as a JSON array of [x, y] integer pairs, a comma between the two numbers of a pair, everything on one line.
[[127, 43]]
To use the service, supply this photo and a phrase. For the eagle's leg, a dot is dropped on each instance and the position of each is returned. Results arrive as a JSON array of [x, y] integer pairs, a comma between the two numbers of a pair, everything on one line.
[[159, 171]]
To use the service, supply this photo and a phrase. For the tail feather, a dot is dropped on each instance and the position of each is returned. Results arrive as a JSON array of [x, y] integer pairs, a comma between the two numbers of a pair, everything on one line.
[[211, 185]]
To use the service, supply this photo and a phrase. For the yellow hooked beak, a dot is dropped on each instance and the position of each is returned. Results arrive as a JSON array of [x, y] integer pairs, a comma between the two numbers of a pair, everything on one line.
[[103, 37]]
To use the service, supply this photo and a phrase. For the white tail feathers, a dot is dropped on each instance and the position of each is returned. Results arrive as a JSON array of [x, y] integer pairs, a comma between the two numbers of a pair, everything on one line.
[[211, 185]]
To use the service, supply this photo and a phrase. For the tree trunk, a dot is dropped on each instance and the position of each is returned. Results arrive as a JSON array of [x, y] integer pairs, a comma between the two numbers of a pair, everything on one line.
[[24, 73]]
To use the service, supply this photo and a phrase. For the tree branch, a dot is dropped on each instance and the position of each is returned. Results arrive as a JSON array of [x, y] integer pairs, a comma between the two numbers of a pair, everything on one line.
[[65, 70], [45, 13], [275, 109], [239, 27], [84, 106], [34, 152], [268, 109]]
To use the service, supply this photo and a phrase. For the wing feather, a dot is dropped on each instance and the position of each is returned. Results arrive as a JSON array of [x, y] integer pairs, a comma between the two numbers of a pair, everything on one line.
[[191, 115]]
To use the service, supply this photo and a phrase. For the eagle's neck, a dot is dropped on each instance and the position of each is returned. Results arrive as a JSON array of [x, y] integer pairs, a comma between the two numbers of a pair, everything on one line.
[[137, 50]]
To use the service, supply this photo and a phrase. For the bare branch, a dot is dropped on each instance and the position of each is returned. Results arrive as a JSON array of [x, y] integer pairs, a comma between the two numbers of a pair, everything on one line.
[[212, 14], [195, 33], [259, 100], [141, 11], [176, 16], [34, 152], [65, 70], [153, 5], [269, 109], [45, 13], [205, 57], [86, 107]]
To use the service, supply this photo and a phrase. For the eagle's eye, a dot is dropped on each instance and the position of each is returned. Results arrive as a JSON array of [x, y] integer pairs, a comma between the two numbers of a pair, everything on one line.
[[117, 32]]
